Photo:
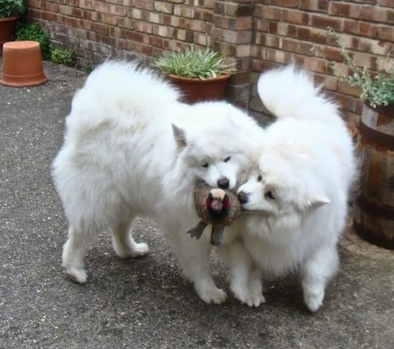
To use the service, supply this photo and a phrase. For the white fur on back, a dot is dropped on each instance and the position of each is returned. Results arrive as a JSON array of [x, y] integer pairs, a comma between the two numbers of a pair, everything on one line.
[[126, 88]]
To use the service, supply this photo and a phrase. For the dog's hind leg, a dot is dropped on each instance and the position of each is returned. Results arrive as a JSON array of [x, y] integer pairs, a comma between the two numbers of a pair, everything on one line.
[[316, 272], [74, 251], [123, 242]]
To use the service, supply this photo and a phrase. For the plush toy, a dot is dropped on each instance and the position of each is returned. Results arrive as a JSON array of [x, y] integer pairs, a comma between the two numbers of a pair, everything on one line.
[[217, 207]]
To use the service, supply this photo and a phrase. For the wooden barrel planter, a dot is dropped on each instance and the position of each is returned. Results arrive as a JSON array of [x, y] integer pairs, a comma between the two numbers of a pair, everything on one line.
[[374, 209]]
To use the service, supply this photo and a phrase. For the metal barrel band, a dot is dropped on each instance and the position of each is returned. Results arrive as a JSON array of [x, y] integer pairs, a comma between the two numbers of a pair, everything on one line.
[[377, 210], [372, 136]]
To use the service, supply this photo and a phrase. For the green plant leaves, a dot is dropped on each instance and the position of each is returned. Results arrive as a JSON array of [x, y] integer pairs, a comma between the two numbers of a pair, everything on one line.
[[34, 32], [9, 8], [193, 63], [377, 88]]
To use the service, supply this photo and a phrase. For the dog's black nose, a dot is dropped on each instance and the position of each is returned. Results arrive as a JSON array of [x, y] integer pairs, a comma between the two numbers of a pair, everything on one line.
[[223, 183], [242, 197]]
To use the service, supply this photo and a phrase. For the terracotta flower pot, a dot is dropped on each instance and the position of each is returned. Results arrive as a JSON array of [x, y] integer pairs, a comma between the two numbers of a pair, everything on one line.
[[6, 29], [197, 90], [22, 64]]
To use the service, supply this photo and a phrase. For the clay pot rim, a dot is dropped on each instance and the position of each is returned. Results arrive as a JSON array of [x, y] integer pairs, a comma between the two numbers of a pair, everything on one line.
[[11, 18], [198, 80], [24, 82]]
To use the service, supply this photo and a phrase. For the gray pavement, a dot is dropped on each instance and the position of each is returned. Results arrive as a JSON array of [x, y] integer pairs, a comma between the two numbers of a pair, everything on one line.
[[146, 303]]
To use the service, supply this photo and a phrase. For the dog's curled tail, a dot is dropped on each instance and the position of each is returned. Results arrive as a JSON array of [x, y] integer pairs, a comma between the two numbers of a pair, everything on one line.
[[290, 92]]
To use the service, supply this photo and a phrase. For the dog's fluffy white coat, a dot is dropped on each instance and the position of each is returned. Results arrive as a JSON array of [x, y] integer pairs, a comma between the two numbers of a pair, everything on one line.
[[297, 193], [122, 157]]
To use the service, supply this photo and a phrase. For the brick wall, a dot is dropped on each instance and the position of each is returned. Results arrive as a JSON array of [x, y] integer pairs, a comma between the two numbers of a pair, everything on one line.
[[255, 34], [296, 30]]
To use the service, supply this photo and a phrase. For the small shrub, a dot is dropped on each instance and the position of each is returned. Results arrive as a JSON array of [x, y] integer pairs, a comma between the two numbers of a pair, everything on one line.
[[63, 56], [34, 32], [87, 68], [376, 88], [194, 63], [11, 8]]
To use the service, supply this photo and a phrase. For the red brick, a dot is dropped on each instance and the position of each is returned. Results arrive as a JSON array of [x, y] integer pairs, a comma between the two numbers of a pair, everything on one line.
[[204, 15], [386, 33], [270, 13], [296, 46], [344, 9], [385, 3], [285, 3], [314, 5], [164, 6], [377, 14], [145, 4], [296, 17], [324, 21], [36, 4], [51, 7], [331, 53], [100, 29], [87, 4], [345, 88], [72, 22], [48, 16]]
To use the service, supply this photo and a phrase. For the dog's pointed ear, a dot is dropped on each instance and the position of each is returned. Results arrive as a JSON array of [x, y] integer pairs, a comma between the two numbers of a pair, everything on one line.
[[179, 136], [317, 200]]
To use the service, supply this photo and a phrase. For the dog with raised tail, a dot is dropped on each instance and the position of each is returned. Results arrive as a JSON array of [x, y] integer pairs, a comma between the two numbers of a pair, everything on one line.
[[296, 194]]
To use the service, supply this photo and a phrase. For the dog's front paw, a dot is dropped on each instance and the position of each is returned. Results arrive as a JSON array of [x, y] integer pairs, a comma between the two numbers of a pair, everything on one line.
[[139, 250], [132, 249], [313, 300], [256, 300], [251, 299], [217, 296], [77, 274], [211, 295]]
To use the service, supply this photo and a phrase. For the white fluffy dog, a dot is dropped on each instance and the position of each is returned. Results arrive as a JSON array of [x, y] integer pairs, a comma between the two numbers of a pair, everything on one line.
[[297, 193], [132, 149]]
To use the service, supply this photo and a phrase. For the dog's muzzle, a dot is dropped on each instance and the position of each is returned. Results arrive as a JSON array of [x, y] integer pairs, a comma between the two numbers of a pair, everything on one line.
[[242, 197]]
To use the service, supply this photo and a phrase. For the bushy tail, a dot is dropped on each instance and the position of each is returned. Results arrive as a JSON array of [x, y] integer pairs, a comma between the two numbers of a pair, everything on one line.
[[289, 92]]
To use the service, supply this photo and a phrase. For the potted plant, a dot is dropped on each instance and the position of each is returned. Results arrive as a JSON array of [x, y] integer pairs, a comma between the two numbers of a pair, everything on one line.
[[374, 209], [10, 11], [201, 74]]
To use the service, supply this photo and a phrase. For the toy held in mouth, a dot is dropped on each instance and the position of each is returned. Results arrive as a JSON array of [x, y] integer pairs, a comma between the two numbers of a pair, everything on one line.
[[216, 207]]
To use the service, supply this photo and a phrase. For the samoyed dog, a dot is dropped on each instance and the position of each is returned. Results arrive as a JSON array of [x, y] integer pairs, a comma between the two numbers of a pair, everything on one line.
[[131, 148], [296, 195]]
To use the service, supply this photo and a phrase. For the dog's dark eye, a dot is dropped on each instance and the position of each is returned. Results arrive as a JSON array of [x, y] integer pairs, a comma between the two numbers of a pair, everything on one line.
[[227, 159], [259, 178], [205, 165], [269, 195]]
